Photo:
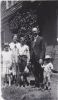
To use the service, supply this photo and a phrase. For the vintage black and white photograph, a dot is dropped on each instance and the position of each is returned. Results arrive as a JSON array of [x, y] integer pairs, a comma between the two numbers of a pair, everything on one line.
[[29, 50]]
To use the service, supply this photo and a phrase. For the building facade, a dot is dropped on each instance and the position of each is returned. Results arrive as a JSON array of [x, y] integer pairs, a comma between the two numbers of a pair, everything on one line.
[[44, 14]]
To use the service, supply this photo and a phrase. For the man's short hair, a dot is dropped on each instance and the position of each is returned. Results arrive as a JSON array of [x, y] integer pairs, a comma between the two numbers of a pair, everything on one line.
[[34, 29]]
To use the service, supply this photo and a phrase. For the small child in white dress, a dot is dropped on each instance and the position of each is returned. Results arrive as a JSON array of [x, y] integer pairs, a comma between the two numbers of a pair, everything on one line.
[[48, 67], [6, 61]]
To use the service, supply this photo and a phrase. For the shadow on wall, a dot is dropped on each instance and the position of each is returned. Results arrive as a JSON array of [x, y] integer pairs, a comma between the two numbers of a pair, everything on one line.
[[48, 22]]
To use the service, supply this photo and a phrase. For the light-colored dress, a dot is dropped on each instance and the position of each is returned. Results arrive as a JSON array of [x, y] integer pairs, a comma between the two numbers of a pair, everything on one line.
[[7, 62], [15, 53]]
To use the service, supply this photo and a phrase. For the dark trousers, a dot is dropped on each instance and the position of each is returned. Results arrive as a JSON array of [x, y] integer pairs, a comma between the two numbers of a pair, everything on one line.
[[38, 73], [22, 65]]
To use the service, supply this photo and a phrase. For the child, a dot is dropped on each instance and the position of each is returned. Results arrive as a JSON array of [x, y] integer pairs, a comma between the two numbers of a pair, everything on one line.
[[48, 66], [24, 58], [7, 63]]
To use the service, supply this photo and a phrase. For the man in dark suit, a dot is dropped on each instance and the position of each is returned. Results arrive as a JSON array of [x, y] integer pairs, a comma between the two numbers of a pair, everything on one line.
[[37, 56]]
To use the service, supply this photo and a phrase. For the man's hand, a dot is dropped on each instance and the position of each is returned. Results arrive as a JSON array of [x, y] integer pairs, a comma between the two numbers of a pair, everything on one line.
[[10, 68], [40, 61]]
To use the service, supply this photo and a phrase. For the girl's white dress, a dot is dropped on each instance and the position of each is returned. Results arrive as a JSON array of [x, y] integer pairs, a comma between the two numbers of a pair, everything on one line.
[[7, 62], [15, 53]]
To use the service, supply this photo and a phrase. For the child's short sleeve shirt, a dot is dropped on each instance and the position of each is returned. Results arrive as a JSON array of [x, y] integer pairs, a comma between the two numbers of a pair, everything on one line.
[[48, 67]]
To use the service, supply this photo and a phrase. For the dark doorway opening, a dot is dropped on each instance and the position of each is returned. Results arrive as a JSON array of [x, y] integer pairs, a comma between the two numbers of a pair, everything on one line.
[[46, 18], [43, 15]]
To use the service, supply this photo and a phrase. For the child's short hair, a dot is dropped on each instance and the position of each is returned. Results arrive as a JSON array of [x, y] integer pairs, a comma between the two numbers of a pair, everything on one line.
[[6, 45]]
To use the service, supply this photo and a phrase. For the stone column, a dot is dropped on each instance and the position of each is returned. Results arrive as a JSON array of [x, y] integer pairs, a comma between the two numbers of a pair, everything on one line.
[[12, 3], [7, 5]]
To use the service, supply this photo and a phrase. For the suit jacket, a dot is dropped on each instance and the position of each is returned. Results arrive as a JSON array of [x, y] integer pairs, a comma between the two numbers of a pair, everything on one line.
[[38, 50]]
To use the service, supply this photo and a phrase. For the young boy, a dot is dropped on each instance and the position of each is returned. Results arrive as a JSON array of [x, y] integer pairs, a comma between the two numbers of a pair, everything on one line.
[[48, 66], [24, 58], [6, 63]]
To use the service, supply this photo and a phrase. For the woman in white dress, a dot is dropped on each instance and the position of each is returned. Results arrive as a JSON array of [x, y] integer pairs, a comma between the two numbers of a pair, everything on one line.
[[14, 46]]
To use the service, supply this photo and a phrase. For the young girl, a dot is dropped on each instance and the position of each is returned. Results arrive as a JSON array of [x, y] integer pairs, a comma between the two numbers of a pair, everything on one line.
[[48, 66], [6, 63]]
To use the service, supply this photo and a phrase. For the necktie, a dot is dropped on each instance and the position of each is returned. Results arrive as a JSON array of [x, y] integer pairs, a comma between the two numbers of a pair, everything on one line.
[[34, 41]]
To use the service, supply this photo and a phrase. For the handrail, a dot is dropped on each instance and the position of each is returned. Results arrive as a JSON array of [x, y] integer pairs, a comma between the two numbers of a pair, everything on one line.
[[11, 10]]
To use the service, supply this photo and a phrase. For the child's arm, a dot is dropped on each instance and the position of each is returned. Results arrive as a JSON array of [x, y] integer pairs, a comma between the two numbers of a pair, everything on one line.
[[11, 61], [51, 66]]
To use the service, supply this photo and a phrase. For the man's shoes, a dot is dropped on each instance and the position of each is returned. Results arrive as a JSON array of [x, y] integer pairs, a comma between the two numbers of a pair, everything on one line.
[[27, 83]]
